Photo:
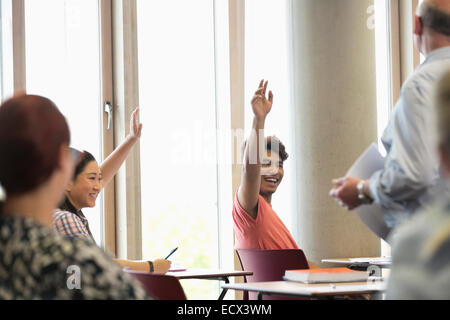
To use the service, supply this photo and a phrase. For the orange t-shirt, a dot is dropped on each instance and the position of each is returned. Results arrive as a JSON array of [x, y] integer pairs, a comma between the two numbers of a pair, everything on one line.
[[266, 232]]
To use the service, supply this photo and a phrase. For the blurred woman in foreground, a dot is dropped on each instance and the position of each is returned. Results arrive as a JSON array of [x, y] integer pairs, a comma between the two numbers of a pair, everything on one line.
[[36, 165]]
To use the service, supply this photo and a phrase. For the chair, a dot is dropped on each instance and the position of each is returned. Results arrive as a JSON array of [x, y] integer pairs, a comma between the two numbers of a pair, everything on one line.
[[159, 286], [270, 265]]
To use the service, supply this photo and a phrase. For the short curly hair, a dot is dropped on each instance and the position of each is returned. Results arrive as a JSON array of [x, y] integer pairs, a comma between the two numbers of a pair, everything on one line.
[[273, 144]]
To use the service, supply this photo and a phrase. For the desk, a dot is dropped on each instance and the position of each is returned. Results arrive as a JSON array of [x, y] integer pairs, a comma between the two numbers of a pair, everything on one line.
[[316, 290], [205, 274]]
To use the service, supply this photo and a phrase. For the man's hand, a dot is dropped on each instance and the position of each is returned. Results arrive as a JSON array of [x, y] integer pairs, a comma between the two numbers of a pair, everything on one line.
[[260, 104], [346, 193]]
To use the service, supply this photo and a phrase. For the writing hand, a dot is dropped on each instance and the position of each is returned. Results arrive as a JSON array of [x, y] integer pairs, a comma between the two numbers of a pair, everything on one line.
[[161, 266]]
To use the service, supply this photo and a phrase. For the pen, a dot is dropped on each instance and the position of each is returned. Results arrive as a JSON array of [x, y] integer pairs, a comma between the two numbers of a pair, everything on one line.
[[171, 253]]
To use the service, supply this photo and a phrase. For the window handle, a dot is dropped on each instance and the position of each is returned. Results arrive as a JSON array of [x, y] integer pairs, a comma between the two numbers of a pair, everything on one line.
[[109, 111]]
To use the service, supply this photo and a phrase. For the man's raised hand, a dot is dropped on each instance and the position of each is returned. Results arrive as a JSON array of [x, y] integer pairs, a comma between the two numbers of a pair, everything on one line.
[[261, 104]]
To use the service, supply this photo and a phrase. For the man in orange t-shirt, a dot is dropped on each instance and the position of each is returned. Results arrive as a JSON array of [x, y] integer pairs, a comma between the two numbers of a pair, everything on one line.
[[256, 225]]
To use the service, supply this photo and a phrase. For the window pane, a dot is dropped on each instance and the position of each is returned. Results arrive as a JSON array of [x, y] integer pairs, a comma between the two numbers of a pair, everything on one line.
[[383, 63], [63, 64], [178, 145], [384, 83], [6, 50]]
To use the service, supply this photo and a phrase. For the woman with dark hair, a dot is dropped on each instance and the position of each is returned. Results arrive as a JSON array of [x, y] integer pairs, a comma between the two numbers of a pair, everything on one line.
[[82, 192], [35, 262]]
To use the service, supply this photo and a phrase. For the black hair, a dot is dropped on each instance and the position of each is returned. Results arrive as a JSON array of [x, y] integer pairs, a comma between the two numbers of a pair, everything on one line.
[[436, 19], [85, 159], [272, 144], [275, 145]]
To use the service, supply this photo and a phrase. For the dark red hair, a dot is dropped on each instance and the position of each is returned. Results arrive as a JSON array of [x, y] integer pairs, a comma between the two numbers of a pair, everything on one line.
[[32, 130]]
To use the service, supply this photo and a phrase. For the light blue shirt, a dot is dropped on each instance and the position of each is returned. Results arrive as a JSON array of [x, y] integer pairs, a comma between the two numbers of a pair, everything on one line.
[[412, 168]]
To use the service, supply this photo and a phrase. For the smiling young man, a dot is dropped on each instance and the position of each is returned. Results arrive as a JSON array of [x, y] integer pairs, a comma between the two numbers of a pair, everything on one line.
[[256, 224]]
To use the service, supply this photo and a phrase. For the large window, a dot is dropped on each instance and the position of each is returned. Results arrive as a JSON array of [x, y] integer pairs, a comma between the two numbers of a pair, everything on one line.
[[63, 64], [178, 146], [383, 54]]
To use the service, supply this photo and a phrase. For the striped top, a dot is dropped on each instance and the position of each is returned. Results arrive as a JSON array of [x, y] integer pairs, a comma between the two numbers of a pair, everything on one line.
[[69, 222]]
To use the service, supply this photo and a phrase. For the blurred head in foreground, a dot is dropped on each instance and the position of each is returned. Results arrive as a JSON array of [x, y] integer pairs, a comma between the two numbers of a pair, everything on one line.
[[35, 158]]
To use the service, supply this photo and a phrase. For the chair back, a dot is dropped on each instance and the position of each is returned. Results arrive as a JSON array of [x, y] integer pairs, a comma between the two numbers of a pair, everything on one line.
[[159, 286], [270, 265]]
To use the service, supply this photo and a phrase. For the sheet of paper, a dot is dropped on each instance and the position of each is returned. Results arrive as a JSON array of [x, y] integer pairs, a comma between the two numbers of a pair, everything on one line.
[[367, 164], [175, 267], [348, 261], [372, 260]]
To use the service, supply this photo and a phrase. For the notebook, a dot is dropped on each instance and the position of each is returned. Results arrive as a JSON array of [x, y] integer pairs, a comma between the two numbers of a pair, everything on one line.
[[325, 275]]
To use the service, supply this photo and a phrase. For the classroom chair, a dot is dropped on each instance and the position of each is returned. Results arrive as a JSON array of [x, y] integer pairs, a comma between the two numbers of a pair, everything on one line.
[[159, 286], [270, 265]]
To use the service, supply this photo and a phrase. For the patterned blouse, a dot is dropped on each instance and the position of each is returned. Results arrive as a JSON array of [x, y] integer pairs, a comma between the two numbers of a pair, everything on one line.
[[38, 264], [69, 222]]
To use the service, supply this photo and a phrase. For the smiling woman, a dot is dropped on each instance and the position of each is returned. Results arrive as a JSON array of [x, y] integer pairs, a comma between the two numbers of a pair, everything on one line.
[[87, 184], [88, 181], [81, 193]]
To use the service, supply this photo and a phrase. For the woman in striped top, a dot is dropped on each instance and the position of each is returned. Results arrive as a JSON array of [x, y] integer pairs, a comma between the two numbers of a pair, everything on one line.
[[88, 181]]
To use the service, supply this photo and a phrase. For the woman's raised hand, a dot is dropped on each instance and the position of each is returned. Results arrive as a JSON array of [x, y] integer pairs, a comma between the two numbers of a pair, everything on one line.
[[135, 125]]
